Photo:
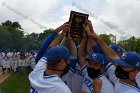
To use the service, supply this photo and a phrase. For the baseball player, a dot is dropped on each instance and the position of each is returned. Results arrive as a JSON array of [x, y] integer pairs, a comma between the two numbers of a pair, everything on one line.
[[2, 60], [138, 79], [127, 69], [1, 56], [128, 63], [109, 67], [92, 70], [13, 61], [4, 64], [16, 61], [31, 62], [21, 63], [72, 76], [124, 81], [49, 81]]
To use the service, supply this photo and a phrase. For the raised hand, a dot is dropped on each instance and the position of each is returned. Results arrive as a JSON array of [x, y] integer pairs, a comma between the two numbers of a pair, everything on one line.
[[65, 27], [86, 29], [90, 26]]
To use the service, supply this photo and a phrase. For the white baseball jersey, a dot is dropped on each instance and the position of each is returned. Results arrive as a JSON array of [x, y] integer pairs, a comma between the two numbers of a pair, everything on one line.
[[110, 72], [31, 62], [120, 87], [1, 57], [3, 63], [8, 54], [8, 63], [3, 54], [107, 87], [19, 62], [23, 62], [0, 62], [73, 80], [125, 88], [46, 84], [138, 79], [16, 63]]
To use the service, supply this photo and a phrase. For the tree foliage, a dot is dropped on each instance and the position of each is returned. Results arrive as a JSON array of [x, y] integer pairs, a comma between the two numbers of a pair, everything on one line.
[[108, 39], [131, 44], [12, 37]]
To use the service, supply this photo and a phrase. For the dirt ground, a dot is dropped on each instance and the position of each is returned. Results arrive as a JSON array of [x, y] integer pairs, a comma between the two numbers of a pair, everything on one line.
[[3, 77]]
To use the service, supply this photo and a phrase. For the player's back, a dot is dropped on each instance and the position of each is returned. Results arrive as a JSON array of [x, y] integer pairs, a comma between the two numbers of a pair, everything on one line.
[[49, 84], [42, 83]]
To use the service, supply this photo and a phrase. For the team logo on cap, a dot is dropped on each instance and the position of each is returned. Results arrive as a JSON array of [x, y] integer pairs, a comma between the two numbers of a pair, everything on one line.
[[103, 62], [119, 49], [138, 64], [124, 56], [94, 56]]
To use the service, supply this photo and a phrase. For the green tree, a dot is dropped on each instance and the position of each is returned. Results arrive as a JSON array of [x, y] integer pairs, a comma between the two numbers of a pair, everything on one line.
[[12, 32], [131, 44], [108, 39], [5, 37], [43, 35]]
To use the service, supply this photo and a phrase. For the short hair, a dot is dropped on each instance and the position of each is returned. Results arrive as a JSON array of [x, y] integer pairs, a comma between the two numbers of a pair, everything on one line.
[[52, 64]]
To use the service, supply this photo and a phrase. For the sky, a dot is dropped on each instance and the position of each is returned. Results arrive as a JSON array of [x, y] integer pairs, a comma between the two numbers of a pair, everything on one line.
[[117, 17]]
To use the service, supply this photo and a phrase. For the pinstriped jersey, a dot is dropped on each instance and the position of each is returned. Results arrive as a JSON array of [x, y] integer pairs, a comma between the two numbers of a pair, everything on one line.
[[74, 80]]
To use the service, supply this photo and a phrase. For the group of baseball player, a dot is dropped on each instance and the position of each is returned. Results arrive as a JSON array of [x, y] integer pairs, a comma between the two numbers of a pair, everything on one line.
[[92, 67], [19, 62]]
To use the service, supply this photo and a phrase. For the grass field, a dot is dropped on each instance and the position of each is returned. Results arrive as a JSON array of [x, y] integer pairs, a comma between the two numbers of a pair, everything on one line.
[[16, 84]]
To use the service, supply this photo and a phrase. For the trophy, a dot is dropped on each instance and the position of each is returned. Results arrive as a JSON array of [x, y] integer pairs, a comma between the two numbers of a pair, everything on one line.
[[77, 20]]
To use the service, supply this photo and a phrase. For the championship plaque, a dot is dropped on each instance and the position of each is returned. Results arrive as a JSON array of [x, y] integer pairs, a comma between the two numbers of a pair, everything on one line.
[[77, 20]]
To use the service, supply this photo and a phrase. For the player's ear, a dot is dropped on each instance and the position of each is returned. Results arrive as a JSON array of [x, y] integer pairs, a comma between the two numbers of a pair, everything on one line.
[[62, 63]]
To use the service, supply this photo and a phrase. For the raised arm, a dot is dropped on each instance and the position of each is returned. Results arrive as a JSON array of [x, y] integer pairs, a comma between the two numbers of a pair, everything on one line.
[[73, 51], [45, 45], [99, 46], [48, 41], [64, 42], [91, 42], [107, 50], [82, 52], [59, 38], [95, 39], [72, 47]]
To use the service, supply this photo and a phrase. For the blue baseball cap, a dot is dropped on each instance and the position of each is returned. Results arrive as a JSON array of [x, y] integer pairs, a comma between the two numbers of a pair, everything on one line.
[[117, 48], [57, 53], [99, 58], [129, 59]]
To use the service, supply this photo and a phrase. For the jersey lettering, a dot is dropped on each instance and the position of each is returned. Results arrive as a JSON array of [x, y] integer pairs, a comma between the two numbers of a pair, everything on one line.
[[88, 83]]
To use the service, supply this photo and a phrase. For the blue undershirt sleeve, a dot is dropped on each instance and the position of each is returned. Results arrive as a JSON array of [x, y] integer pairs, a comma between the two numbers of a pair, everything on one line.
[[45, 45], [97, 49]]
